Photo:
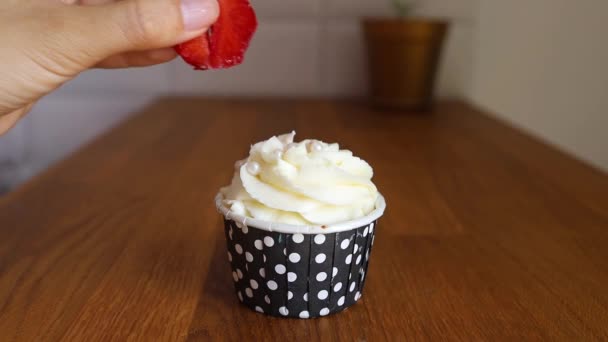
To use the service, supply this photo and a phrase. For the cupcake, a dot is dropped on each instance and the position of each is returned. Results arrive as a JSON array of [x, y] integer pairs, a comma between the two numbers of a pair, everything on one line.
[[300, 222]]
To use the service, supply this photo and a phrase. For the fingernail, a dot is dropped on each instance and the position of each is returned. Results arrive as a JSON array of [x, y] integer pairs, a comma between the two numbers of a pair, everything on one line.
[[198, 14]]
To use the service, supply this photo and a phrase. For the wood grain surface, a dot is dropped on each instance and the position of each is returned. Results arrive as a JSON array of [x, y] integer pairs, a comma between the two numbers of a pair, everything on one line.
[[489, 234]]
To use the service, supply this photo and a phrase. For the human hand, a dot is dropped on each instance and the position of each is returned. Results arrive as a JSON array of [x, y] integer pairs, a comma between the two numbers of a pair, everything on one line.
[[45, 43]]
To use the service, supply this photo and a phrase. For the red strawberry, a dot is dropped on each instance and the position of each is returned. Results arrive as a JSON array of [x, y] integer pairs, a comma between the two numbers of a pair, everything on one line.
[[224, 45]]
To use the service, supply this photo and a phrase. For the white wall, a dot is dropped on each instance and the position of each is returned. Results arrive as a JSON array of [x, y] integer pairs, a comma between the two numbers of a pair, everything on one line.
[[302, 48], [310, 48], [543, 65]]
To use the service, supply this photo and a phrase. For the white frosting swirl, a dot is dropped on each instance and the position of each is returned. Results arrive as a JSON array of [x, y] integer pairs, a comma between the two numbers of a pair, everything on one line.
[[305, 183]]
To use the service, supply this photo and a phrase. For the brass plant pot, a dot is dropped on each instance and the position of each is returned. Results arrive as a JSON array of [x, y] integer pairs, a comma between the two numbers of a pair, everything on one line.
[[403, 58]]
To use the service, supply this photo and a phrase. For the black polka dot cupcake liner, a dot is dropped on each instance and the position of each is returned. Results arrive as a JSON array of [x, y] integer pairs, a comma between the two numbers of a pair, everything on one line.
[[297, 271]]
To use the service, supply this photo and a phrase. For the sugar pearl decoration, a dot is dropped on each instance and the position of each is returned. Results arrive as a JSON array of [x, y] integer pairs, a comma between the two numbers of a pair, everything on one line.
[[253, 168], [315, 146]]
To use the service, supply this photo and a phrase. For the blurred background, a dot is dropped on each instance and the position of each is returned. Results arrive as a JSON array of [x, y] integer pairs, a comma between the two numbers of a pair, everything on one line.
[[538, 64]]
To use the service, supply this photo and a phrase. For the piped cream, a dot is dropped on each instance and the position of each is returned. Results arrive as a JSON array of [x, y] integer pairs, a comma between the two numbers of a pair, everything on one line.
[[301, 183]]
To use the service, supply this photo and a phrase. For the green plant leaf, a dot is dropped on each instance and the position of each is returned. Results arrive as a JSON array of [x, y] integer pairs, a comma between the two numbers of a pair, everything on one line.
[[403, 8]]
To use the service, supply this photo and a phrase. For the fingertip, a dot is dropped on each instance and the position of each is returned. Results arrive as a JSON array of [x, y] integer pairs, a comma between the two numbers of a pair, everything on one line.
[[199, 14]]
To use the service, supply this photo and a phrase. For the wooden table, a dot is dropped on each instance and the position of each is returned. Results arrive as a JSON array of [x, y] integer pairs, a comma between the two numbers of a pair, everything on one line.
[[489, 234]]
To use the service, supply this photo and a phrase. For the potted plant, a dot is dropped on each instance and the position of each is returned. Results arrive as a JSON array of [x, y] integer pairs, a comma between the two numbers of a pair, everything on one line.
[[403, 57]]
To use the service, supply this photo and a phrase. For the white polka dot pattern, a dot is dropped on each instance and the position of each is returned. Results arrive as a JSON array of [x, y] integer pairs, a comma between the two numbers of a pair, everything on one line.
[[294, 257], [320, 258], [280, 269], [297, 238], [344, 244], [274, 273], [268, 241]]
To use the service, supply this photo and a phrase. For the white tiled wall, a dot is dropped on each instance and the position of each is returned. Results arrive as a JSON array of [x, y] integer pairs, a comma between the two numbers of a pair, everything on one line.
[[459, 10], [281, 9], [312, 47], [283, 59], [302, 48]]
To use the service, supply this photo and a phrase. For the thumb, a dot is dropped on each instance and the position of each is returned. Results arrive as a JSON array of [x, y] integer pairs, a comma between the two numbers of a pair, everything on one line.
[[133, 25]]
